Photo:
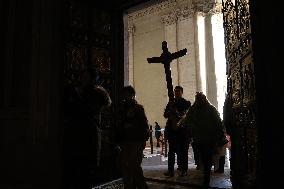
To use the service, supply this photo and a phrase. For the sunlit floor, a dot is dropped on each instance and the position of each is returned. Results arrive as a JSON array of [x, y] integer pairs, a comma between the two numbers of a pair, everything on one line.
[[156, 185], [154, 165]]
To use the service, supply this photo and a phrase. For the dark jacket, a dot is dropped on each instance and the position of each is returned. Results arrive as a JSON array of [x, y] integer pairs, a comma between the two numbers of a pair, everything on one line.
[[158, 132], [205, 123], [172, 134], [133, 123]]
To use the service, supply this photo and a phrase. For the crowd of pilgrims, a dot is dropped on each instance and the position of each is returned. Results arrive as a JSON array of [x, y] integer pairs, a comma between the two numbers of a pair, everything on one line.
[[197, 124]]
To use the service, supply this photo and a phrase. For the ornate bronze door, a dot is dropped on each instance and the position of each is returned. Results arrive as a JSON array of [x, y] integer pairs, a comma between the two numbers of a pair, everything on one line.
[[88, 44], [241, 93]]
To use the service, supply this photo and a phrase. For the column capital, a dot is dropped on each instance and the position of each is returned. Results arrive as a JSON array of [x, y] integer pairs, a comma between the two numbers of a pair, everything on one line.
[[184, 13], [216, 9], [169, 19], [131, 29], [206, 6], [151, 10]]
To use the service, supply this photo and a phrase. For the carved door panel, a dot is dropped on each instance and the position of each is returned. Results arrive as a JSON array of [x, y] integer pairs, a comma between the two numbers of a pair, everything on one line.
[[88, 44], [241, 90]]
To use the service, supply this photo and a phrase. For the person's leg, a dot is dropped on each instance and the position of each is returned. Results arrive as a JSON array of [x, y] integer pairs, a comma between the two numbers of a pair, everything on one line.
[[182, 156], [196, 155], [221, 164], [185, 159], [158, 142], [205, 153], [179, 153], [215, 161], [125, 162], [138, 177]]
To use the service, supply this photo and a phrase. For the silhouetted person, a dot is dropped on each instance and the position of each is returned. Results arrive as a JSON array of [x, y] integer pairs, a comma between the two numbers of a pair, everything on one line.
[[176, 135], [220, 156], [206, 126], [228, 114], [228, 123], [82, 133], [133, 132], [196, 155], [158, 133]]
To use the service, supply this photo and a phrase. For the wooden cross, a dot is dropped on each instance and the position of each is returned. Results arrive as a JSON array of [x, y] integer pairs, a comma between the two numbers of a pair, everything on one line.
[[166, 58]]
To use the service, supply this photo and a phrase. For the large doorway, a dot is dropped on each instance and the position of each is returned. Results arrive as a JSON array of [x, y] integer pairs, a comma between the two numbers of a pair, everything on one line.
[[182, 24]]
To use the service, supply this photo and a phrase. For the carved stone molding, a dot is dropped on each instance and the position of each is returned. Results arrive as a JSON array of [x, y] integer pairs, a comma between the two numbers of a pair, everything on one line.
[[184, 13], [217, 9], [131, 29], [169, 19], [178, 14], [179, 10], [152, 10], [203, 5]]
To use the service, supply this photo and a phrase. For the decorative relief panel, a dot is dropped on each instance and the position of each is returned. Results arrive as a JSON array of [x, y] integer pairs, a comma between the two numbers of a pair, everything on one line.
[[248, 87], [75, 57], [243, 18], [101, 22], [240, 70], [101, 60], [78, 36], [100, 41], [236, 85], [252, 151], [78, 15], [88, 45], [230, 26]]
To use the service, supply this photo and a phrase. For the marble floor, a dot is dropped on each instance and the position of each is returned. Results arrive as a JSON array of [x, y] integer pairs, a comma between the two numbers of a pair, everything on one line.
[[154, 165]]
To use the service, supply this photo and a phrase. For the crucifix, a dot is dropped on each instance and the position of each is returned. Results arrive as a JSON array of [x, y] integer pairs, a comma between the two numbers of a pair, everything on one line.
[[166, 58]]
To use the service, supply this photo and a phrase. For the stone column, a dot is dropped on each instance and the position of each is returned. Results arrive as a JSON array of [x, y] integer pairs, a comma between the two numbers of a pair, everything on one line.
[[219, 54], [210, 62], [197, 55], [170, 32], [186, 39], [131, 30]]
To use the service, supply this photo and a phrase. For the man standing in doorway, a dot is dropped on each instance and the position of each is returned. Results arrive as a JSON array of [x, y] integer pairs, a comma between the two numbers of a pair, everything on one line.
[[177, 135]]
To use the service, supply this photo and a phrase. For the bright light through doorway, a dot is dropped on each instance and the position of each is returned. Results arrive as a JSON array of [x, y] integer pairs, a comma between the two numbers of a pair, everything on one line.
[[220, 60]]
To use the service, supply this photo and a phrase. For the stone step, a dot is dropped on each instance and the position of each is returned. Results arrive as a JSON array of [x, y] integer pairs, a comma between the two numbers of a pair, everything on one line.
[[117, 184]]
